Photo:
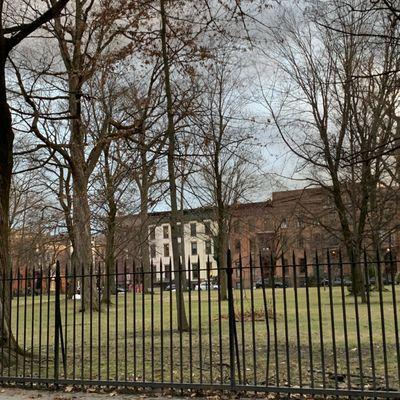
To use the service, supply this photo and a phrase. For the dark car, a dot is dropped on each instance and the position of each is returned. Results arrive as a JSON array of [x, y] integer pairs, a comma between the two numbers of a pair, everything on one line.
[[389, 281], [279, 284], [259, 283]]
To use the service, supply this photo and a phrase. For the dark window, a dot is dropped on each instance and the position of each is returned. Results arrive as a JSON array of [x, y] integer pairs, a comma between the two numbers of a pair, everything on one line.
[[237, 245], [303, 265], [166, 232], [253, 248], [179, 230], [333, 241], [284, 224], [300, 222], [153, 251], [237, 269], [193, 229], [166, 250], [208, 247], [236, 226], [152, 232], [195, 271], [207, 228], [194, 248], [167, 273], [316, 239]]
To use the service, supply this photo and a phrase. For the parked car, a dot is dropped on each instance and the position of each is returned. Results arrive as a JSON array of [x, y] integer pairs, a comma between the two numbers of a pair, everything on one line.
[[121, 289], [267, 283], [259, 283], [340, 282], [204, 286], [279, 284], [170, 287], [389, 281]]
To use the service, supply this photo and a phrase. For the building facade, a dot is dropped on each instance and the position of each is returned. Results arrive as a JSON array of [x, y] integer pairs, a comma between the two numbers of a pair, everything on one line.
[[293, 228]]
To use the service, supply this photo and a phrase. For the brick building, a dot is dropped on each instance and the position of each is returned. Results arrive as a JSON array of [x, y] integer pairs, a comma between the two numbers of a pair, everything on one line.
[[294, 228], [276, 232]]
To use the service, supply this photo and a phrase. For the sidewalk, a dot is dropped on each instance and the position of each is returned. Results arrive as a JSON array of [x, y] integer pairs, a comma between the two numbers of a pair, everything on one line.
[[26, 394]]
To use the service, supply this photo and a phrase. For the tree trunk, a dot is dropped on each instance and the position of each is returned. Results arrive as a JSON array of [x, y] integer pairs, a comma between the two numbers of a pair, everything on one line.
[[64, 197], [222, 235], [353, 246], [110, 282], [182, 244], [83, 243], [144, 234], [222, 249], [357, 276], [171, 134], [6, 165]]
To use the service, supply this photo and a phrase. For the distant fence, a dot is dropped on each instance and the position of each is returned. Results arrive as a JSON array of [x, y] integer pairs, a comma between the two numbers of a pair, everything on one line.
[[290, 329]]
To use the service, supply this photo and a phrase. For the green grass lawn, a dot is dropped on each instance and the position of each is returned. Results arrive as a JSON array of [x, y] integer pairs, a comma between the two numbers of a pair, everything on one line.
[[143, 343]]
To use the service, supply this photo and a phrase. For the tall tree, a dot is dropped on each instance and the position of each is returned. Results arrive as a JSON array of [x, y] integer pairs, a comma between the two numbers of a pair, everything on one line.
[[183, 324], [333, 118], [226, 169], [10, 37], [86, 37]]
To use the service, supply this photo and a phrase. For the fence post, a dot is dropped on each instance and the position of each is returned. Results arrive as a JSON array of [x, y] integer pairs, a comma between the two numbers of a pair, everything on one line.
[[231, 311], [56, 326]]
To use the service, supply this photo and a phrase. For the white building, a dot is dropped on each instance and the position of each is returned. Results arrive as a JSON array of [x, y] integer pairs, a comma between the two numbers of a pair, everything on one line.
[[198, 246]]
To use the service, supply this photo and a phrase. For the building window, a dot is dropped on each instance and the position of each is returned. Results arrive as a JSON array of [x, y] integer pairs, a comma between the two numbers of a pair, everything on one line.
[[303, 265], [300, 222], [166, 250], [194, 248], [207, 228], [237, 269], [167, 272], [236, 226], [179, 230], [284, 241], [195, 271], [152, 232], [316, 237], [166, 232], [208, 247], [238, 246], [193, 229], [153, 251]]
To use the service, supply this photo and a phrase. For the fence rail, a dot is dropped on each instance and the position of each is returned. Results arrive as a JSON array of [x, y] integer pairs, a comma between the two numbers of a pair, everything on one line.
[[291, 328]]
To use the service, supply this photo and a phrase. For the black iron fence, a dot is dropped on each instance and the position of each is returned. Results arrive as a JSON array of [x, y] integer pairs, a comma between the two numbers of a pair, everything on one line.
[[286, 328]]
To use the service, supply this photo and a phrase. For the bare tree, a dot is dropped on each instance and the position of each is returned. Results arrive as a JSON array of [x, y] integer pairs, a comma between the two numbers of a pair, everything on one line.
[[85, 36], [334, 121], [183, 324], [10, 37], [227, 173]]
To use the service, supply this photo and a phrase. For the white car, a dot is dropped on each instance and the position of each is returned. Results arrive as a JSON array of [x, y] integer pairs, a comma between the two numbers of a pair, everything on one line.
[[204, 286]]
